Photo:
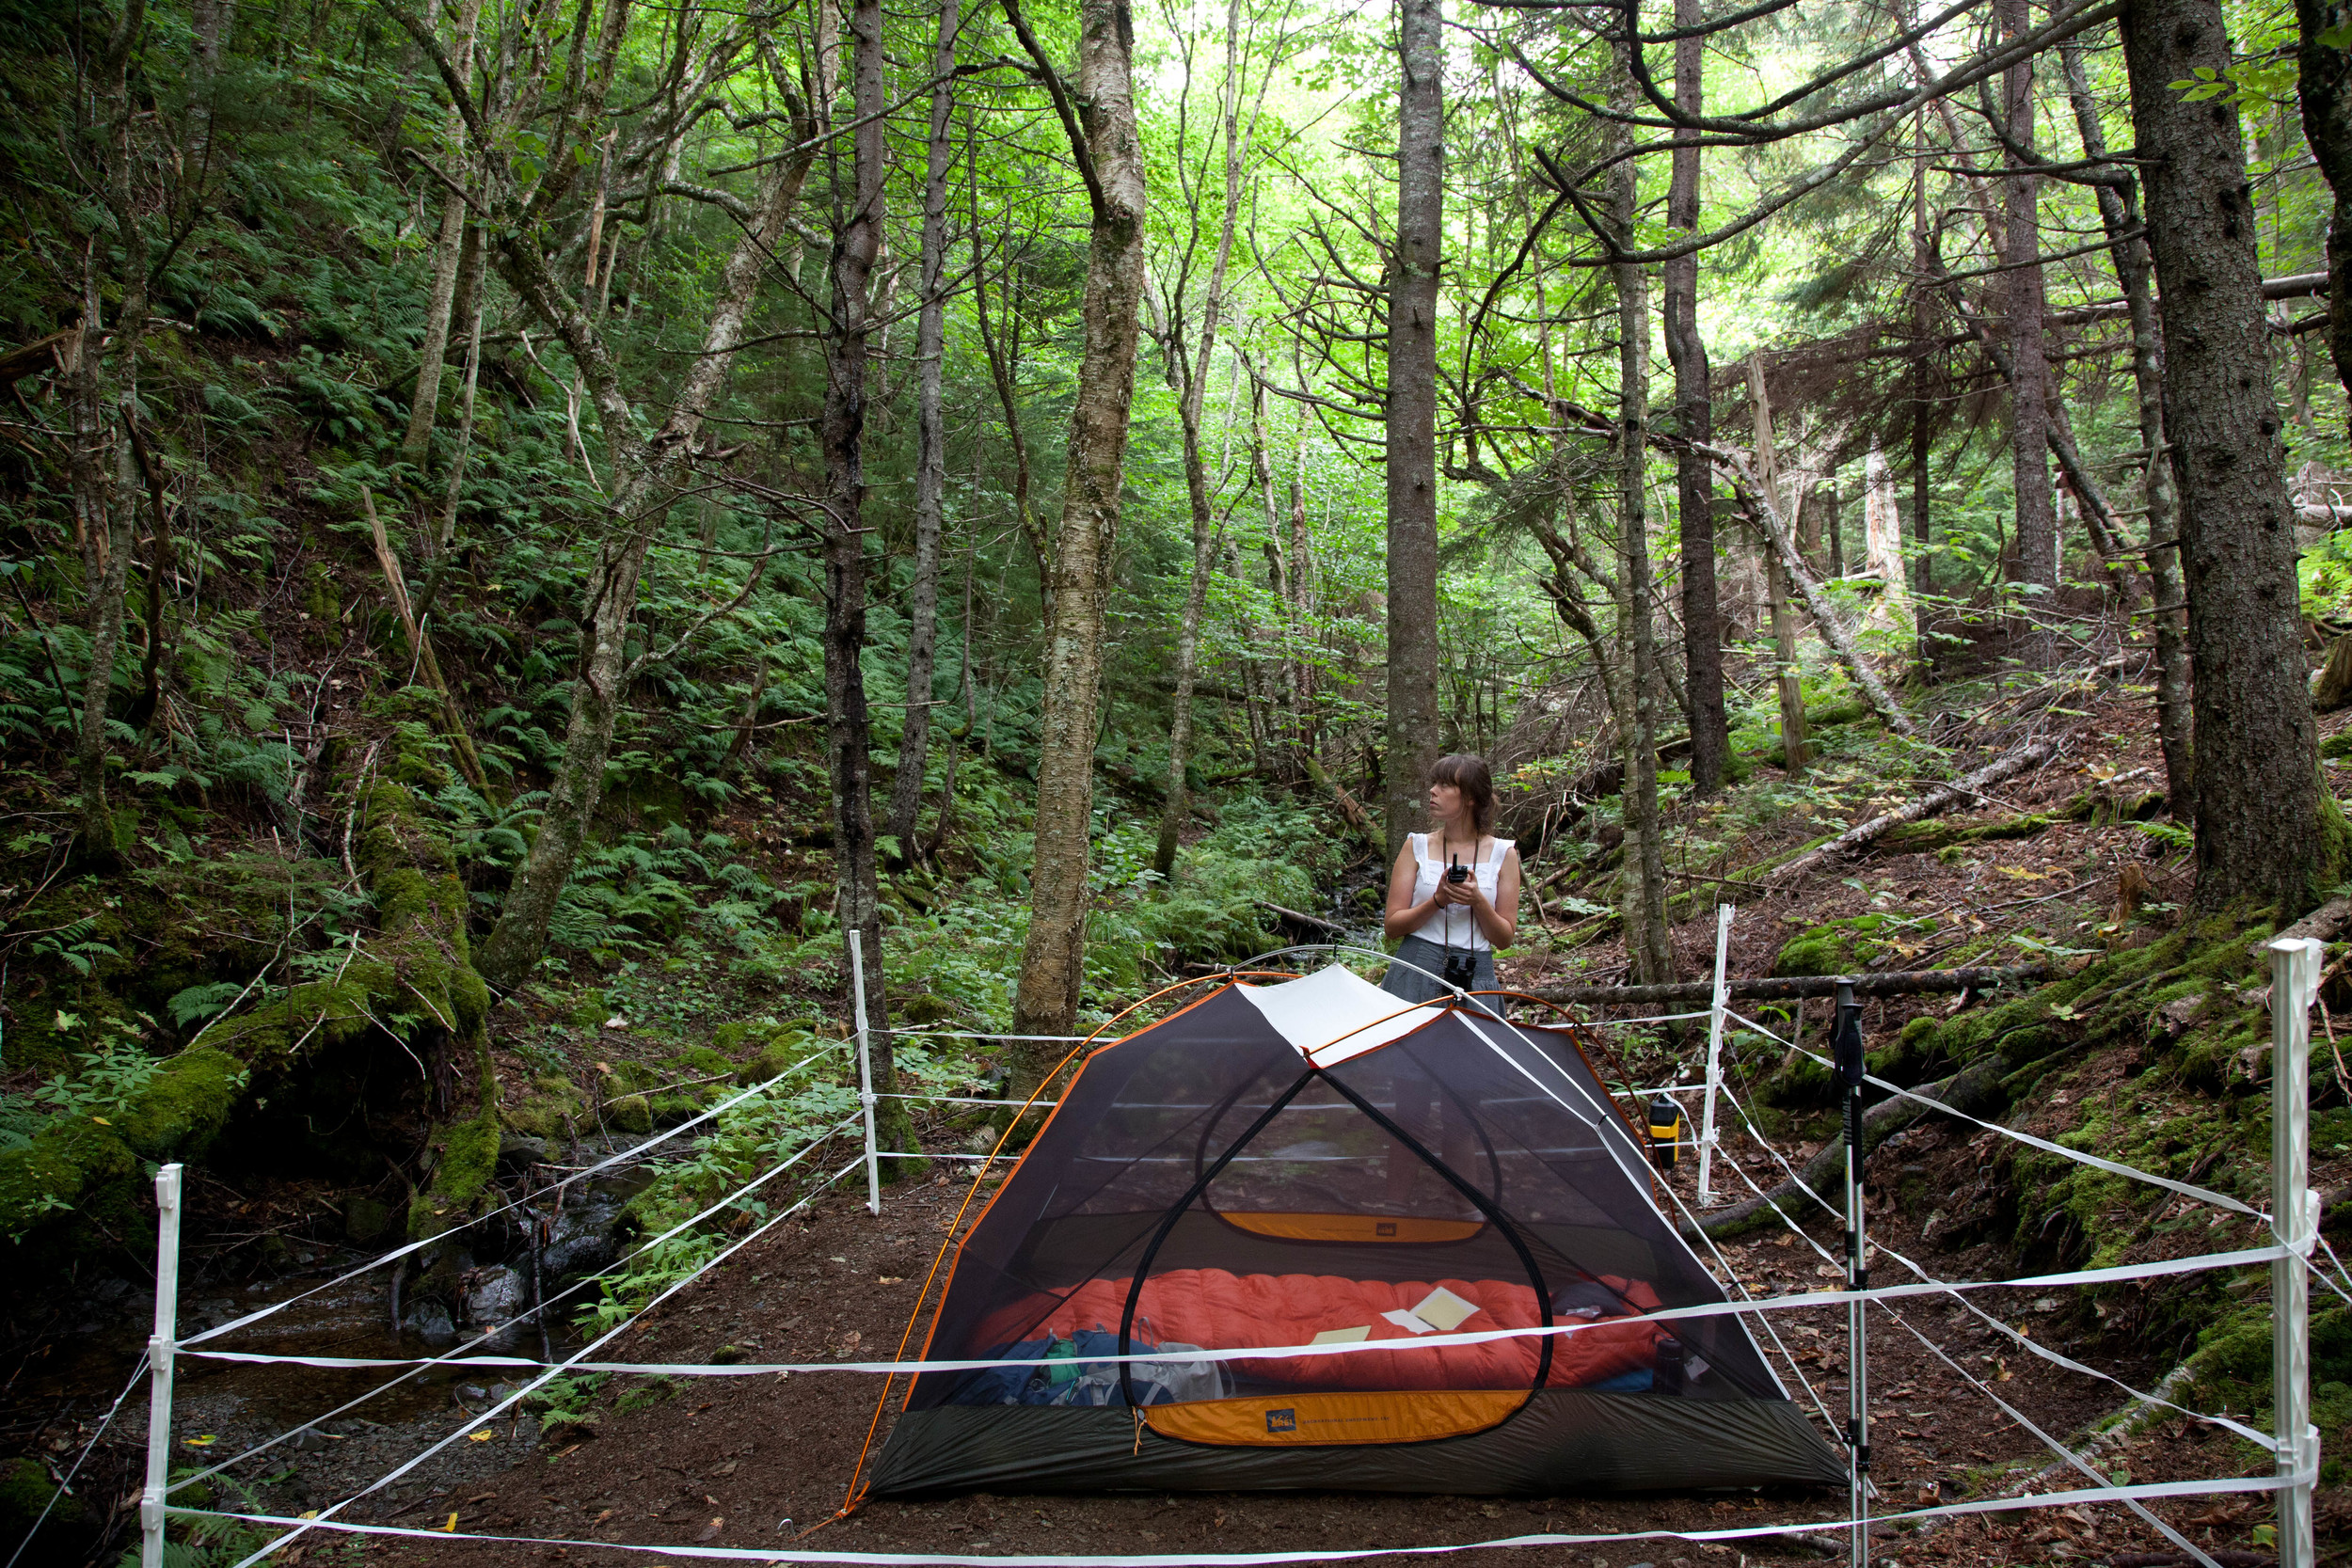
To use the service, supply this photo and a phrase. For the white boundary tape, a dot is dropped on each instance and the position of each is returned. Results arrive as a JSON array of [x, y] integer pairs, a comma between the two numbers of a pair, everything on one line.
[[2243, 1259], [2138, 1490], [624, 1157], [457, 1357], [2203, 1194], [2259, 1438], [326, 1519]]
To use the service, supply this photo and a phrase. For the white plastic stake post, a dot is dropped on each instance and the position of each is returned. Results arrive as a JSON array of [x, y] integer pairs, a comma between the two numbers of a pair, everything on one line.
[[2293, 983], [159, 1348], [1714, 1052], [864, 1071]]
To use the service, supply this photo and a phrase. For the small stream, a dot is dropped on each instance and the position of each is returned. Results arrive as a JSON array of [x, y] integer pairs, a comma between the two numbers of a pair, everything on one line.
[[222, 1408]]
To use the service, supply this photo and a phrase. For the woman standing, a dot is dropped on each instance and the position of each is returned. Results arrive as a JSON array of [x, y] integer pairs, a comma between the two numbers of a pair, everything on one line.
[[1453, 894]]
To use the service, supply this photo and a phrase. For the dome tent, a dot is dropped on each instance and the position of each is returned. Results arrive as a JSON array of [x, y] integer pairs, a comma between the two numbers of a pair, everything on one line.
[[1305, 1164]]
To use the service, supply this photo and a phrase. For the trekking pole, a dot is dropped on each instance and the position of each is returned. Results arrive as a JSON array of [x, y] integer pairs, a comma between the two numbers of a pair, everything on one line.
[[159, 1348], [864, 1071], [1846, 1052], [1714, 1051], [2295, 1220]]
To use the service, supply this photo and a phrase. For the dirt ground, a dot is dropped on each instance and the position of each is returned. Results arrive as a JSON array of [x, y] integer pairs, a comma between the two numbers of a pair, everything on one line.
[[753, 1462]]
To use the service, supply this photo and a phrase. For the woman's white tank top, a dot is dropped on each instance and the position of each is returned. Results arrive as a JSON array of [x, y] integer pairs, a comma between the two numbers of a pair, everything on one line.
[[1454, 926]]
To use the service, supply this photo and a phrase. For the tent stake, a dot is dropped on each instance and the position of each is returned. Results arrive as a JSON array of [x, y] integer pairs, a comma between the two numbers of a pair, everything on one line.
[[159, 1349], [1846, 1051], [864, 1071], [2295, 1220], [1714, 1052]]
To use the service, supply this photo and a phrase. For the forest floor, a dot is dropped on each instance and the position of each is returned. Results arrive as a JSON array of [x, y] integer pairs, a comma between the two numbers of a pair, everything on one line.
[[741, 1463]]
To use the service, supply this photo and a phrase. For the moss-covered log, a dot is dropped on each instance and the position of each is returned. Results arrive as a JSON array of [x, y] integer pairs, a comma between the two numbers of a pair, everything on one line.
[[417, 964]]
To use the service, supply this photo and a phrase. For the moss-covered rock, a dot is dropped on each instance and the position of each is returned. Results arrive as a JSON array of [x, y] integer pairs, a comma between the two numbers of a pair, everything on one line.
[[786, 1048], [630, 1113], [1837, 946], [701, 1061]]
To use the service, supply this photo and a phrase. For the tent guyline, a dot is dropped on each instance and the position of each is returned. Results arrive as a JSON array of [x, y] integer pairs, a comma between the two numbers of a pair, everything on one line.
[[1458, 1154]]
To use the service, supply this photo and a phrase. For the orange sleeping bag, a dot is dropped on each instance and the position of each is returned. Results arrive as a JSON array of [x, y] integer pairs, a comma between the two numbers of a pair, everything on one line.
[[1216, 1311]]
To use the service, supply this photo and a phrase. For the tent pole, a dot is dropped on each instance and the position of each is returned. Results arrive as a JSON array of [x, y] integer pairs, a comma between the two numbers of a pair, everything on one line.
[[1714, 1052], [2295, 1220], [1846, 1051], [864, 1071], [159, 1350]]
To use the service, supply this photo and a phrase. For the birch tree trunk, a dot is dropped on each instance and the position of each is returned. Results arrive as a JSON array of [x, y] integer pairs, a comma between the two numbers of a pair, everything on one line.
[[931, 459], [1412, 421], [417, 444], [1110, 158], [2257, 764], [644, 472]]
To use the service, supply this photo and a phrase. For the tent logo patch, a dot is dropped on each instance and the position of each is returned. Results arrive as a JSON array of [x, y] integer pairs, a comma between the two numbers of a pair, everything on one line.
[[1384, 1228], [1282, 1420]]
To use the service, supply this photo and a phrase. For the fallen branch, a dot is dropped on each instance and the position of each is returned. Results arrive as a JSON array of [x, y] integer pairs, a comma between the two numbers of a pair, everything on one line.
[[1943, 798], [1974, 1090], [1755, 501], [1893, 982], [1313, 923], [421, 647]]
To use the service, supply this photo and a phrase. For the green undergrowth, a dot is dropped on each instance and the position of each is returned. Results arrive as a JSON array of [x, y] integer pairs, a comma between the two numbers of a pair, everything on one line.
[[756, 1133]]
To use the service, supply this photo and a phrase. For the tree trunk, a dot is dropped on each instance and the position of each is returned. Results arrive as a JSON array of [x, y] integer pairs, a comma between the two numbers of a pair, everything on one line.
[[1922, 398], [930, 460], [841, 437], [1694, 415], [2324, 85], [417, 444], [1189, 375], [1110, 157], [2257, 792], [644, 473], [1647, 941], [2119, 214], [1785, 679], [1412, 420], [2024, 304]]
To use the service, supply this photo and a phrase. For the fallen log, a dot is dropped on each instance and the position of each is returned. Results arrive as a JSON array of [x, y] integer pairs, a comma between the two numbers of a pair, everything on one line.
[[1312, 922], [1943, 798], [1893, 982], [1755, 499], [1974, 1090]]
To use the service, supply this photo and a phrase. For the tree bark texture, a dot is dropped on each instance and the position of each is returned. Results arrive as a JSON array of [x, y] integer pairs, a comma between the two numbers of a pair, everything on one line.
[[1105, 142], [2024, 301], [1648, 940], [841, 437], [2118, 214], [2324, 85], [930, 442], [1413, 738], [1694, 415], [2257, 768], [439, 309]]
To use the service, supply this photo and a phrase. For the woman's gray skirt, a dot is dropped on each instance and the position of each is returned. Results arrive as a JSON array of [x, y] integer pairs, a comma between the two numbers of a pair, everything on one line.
[[1407, 981]]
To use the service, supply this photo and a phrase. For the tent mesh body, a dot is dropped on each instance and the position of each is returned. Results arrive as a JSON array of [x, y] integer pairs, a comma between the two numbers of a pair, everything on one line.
[[1206, 1184]]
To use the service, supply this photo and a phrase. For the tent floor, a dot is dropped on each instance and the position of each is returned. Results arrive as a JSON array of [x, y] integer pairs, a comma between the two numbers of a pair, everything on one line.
[[1566, 1440]]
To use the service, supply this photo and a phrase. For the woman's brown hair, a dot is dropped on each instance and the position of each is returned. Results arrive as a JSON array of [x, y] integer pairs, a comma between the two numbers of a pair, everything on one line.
[[1470, 774]]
